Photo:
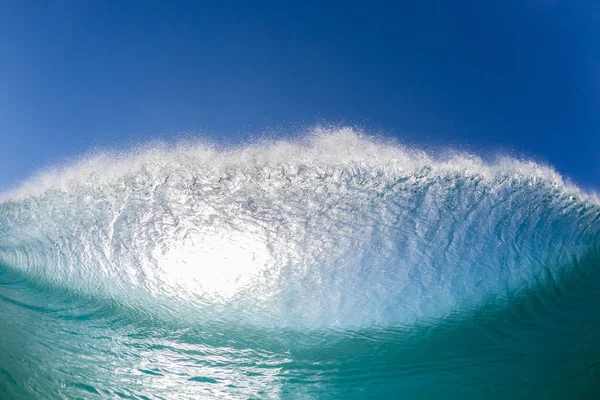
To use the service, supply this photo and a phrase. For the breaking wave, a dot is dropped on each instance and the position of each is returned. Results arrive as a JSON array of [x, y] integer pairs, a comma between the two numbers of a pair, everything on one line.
[[334, 230]]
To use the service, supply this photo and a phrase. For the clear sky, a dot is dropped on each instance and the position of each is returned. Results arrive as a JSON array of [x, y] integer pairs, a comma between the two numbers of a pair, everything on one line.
[[523, 76]]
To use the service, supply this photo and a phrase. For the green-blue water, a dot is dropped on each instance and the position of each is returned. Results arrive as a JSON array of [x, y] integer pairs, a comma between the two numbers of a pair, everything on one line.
[[335, 267]]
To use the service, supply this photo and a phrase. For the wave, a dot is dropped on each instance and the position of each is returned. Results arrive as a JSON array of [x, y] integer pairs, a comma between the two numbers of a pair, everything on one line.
[[336, 229]]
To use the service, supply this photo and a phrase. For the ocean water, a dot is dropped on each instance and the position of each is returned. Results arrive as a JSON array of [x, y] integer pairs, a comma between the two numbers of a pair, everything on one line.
[[333, 266]]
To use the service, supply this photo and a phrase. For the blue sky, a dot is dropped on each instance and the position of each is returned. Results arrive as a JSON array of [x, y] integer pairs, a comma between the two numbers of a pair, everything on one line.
[[518, 76]]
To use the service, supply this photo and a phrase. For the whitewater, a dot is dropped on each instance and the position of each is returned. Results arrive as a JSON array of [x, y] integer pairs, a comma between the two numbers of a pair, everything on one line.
[[334, 265]]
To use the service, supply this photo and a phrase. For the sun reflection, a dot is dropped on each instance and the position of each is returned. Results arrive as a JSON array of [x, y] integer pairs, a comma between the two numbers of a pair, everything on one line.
[[217, 265]]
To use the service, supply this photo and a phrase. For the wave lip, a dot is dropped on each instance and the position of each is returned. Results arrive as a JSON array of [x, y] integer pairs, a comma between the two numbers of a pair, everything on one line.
[[337, 229]]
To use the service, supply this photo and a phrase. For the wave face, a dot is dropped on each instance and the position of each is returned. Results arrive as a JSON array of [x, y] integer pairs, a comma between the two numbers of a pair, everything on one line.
[[336, 232]]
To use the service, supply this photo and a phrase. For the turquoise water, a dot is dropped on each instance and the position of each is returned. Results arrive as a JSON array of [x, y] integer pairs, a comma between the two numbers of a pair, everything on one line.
[[337, 266]]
